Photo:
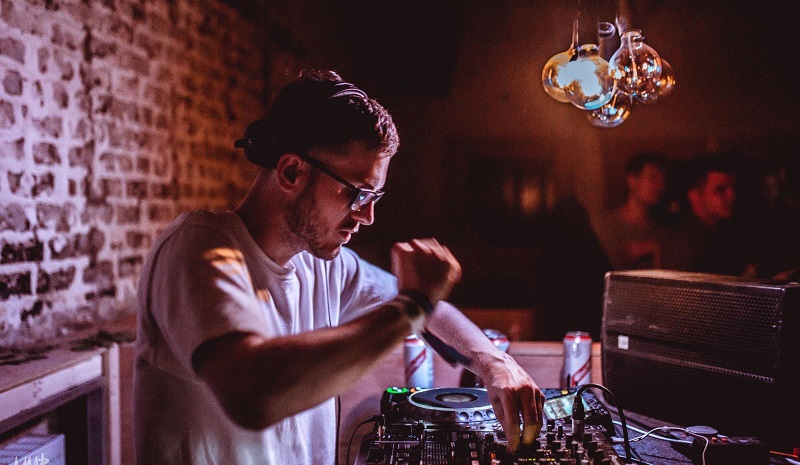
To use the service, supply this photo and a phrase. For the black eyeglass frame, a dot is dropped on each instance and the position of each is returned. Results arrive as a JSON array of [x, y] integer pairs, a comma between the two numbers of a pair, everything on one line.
[[361, 197]]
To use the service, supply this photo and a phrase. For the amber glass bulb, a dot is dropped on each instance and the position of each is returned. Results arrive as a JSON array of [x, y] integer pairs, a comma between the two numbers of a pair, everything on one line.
[[613, 113], [552, 69], [660, 87], [551, 72], [588, 81], [635, 64]]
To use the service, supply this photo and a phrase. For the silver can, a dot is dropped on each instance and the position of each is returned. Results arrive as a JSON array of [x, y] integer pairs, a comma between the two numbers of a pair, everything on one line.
[[418, 363], [499, 339], [577, 368]]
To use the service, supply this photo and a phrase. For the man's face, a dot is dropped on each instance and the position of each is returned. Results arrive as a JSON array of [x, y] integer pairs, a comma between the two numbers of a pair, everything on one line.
[[716, 197], [321, 220], [648, 186]]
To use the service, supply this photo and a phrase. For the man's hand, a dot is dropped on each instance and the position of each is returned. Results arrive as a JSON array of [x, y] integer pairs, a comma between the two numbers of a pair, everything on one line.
[[425, 266], [512, 393]]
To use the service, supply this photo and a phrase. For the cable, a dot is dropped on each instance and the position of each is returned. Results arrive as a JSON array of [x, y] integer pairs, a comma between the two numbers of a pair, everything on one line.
[[577, 409], [641, 462], [381, 419], [790, 460], [639, 438], [338, 426], [794, 457], [670, 428]]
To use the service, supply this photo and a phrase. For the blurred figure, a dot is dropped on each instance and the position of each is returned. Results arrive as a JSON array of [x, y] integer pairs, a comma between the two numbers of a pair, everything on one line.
[[630, 236], [574, 267], [771, 205], [709, 238]]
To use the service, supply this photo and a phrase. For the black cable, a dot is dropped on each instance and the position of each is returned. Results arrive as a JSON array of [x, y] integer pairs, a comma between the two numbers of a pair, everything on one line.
[[338, 426], [641, 462], [449, 353], [375, 418], [579, 402], [637, 458]]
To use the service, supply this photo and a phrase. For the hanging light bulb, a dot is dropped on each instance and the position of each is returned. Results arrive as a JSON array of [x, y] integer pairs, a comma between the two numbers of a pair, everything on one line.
[[613, 113], [552, 69], [660, 87], [636, 65], [607, 84], [551, 72], [589, 82]]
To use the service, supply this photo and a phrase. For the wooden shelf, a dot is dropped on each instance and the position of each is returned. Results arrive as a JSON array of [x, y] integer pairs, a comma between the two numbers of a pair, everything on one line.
[[80, 388]]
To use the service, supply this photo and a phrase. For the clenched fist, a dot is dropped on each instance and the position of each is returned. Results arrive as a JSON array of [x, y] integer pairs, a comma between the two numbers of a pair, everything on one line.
[[425, 266]]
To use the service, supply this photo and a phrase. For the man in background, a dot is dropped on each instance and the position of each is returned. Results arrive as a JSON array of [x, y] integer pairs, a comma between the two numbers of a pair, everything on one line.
[[709, 239], [629, 234]]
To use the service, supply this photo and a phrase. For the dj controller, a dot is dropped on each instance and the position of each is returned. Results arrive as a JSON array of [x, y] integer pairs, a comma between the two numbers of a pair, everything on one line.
[[458, 426]]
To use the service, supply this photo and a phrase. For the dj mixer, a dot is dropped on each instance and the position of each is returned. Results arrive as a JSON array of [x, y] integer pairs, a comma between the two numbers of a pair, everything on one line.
[[458, 426]]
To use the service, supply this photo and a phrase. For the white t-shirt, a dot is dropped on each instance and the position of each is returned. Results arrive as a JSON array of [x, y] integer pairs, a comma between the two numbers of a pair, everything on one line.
[[205, 277]]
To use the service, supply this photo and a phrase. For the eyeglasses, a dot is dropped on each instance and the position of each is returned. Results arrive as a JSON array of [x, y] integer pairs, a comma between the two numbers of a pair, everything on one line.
[[361, 197]]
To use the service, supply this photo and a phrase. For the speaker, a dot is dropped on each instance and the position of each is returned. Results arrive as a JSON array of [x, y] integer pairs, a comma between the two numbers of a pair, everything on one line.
[[703, 349]]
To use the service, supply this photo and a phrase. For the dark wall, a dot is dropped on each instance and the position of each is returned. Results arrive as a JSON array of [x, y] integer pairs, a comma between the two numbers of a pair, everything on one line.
[[486, 154]]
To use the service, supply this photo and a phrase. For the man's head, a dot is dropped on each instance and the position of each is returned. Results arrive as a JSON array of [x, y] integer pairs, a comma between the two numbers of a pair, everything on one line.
[[318, 111], [711, 192], [646, 177], [325, 149]]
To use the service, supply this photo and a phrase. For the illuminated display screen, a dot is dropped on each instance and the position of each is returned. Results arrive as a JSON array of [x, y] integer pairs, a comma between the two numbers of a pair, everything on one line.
[[560, 407]]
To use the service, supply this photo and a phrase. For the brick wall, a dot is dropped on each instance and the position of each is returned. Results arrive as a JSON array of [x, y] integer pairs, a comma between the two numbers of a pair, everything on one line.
[[115, 115]]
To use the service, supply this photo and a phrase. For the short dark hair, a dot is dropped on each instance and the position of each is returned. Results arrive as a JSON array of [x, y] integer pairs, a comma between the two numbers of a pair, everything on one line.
[[638, 161], [707, 162], [318, 110]]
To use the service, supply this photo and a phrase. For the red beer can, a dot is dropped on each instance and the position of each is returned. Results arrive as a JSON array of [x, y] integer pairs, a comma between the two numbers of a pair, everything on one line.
[[418, 359], [577, 368]]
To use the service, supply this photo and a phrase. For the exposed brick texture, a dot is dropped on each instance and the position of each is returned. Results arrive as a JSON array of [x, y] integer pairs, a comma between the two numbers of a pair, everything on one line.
[[114, 117]]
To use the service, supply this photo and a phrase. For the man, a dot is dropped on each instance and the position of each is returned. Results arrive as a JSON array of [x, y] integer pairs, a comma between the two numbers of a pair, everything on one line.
[[712, 195], [251, 321], [708, 240], [630, 236]]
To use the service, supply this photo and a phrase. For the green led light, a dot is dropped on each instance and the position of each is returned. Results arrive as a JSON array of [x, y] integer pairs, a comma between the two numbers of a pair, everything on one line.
[[396, 390]]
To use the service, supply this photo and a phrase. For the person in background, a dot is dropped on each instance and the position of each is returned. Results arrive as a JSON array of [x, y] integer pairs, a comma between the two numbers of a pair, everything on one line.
[[573, 266], [709, 238], [630, 235], [778, 223], [770, 204], [252, 321]]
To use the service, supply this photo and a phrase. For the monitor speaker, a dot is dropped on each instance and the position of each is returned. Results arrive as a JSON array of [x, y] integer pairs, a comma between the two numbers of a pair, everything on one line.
[[702, 349]]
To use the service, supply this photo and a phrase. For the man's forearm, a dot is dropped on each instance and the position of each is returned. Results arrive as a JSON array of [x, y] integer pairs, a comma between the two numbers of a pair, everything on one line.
[[260, 381], [458, 331]]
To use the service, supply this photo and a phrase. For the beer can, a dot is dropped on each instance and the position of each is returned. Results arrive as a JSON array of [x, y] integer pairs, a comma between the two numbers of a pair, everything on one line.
[[418, 363], [577, 367], [499, 339]]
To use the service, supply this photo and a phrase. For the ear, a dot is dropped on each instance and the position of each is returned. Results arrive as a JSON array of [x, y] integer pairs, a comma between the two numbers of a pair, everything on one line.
[[291, 171]]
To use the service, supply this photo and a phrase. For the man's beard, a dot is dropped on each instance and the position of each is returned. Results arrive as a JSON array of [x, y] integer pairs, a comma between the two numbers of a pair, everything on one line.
[[307, 231]]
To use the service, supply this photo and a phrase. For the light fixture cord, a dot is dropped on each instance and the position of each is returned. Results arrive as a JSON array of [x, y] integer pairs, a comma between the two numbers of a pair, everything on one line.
[[576, 25], [586, 22], [623, 16]]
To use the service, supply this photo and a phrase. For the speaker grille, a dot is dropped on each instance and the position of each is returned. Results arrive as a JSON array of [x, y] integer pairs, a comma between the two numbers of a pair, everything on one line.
[[708, 319], [695, 348]]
